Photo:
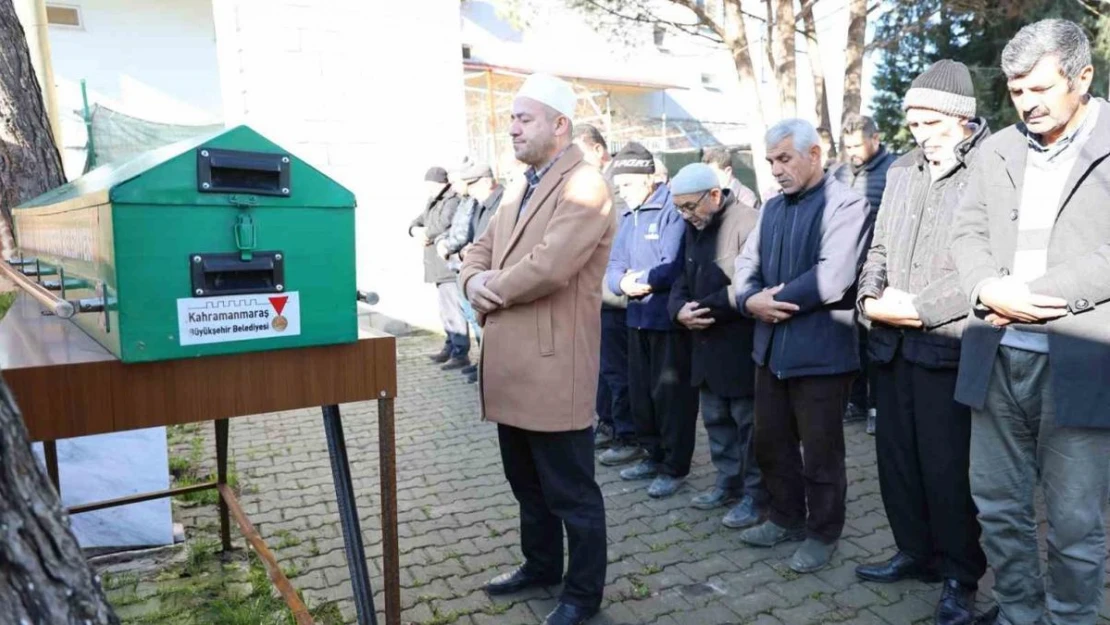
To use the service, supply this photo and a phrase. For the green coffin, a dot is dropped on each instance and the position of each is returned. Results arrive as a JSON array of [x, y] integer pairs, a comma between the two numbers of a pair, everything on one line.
[[221, 244]]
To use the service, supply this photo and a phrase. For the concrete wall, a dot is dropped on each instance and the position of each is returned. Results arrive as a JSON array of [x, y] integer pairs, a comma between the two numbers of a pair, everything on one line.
[[368, 92], [151, 60]]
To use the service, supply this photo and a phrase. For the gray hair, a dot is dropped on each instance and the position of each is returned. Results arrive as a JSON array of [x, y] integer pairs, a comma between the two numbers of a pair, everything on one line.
[[803, 132], [1052, 37]]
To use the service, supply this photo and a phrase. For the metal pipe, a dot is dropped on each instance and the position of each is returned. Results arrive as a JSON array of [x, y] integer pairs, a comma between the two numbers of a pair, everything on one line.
[[45, 298]]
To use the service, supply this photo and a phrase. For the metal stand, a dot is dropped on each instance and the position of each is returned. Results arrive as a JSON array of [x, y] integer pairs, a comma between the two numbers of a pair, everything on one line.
[[50, 455], [387, 459], [348, 517], [221, 478]]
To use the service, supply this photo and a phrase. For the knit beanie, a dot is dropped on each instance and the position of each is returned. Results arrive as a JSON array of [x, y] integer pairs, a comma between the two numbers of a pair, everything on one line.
[[945, 87], [436, 174], [633, 159]]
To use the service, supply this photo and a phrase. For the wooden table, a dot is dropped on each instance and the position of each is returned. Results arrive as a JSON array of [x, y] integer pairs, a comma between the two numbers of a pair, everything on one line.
[[67, 385]]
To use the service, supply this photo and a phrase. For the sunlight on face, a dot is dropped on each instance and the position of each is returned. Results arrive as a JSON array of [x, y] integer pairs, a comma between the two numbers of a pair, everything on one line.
[[794, 171], [633, 188], [1044, 100], [936, 133]]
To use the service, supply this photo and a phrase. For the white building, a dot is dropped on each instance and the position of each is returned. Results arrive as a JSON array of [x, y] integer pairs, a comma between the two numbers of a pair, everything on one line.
[[342, 83]]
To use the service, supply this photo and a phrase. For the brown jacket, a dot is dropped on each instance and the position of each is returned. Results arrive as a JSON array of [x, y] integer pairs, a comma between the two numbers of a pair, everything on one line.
[[540, 350]]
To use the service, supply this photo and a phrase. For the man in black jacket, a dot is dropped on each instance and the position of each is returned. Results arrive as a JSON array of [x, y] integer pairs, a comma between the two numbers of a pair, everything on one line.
[[797, 277], [865, 171], [703, 300], [910, 291], [435, 219]]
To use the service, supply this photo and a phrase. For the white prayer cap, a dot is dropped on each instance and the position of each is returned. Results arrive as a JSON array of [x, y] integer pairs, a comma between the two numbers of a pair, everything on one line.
[[552, 91]]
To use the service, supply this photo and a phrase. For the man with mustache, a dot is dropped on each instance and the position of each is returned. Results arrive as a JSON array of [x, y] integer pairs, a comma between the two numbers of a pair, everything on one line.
[[797, 277], [1032, 245]]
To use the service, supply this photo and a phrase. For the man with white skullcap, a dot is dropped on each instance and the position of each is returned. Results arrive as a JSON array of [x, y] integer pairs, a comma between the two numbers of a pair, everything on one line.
[[703, 300], [534, 277]]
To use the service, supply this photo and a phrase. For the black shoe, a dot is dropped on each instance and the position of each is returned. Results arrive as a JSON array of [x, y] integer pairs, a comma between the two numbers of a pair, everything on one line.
[[990, 617], [456, 362], [603, 436], [569, 614], [956, 605], [515, 581], [896, 569], [467, 370], [471, 378], [442, 356]]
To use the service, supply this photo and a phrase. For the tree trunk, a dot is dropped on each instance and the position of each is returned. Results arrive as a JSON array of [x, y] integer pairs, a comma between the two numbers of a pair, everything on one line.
[[853, 57], [44, 578], [785, 70], [737, 42], [820, 93], [772, 109], [29, 161]]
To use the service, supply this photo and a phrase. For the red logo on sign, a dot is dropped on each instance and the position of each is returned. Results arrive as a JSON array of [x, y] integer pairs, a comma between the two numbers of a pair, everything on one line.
[[279, 303]]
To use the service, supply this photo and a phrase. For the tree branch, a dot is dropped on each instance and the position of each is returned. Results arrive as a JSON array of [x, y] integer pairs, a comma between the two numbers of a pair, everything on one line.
[[647, 17]]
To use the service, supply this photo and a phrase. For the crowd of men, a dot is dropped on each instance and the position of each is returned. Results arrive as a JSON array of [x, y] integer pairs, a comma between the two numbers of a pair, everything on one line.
[[953, 296]]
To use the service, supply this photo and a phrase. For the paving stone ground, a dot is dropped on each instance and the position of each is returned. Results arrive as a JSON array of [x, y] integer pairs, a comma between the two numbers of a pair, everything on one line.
[[669, 564]]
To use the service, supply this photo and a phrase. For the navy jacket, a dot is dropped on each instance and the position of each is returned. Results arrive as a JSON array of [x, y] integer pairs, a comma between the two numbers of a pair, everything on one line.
[[650, 239], [870, 179], [813, 242]]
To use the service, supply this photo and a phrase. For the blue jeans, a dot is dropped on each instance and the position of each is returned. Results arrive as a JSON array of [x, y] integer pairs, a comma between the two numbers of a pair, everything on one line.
[[471, 319]]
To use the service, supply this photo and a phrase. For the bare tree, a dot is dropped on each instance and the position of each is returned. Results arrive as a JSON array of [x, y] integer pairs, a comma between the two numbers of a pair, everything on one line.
[[853, 57], [785, 67], [813, 49], [43, 575]]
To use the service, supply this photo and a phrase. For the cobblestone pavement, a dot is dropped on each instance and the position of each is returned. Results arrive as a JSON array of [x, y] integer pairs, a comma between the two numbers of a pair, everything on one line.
[[668, 563]]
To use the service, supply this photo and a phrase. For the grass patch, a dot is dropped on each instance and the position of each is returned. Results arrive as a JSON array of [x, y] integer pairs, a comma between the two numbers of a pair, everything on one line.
[[652, 569], [287, 539], [6, 301]]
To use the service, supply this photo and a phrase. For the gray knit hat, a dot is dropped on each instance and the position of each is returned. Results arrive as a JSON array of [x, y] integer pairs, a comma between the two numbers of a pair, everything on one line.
[[945, 87]]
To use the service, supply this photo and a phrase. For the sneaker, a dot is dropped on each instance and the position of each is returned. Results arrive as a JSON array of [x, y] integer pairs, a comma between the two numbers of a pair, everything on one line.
[[854, 413], [768, 535], [469, 369], [456, 362], [621, 453], [603, 436], [871, 415], [442, 356], [664, 486], [744, 514], [813, 555], [645, 470], [712, 498]]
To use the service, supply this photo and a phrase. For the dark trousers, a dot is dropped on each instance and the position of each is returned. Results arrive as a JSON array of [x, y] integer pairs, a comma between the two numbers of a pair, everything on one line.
[[808, 411], [613, 407], [552, 477], [863, 387], [923, 444], [664, 405]]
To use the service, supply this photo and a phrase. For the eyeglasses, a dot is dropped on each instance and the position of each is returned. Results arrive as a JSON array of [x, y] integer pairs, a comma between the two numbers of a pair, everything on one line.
[[689, 207]]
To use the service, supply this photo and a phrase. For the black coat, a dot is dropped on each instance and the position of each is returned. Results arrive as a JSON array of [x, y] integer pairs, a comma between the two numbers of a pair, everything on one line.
[[721, 353], [436, 220]]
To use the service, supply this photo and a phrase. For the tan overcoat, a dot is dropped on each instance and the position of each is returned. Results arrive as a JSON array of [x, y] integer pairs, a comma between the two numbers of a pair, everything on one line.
[[540, 351]]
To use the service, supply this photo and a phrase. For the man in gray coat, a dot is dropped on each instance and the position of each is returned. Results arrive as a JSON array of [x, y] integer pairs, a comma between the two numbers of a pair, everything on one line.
[[1031, 241]]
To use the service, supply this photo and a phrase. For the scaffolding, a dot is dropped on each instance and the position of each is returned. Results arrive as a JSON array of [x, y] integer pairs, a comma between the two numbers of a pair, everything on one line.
[[489, 94]]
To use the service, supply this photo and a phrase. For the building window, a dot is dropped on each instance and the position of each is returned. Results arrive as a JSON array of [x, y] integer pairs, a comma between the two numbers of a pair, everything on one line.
[[62, 15], [466, 51]]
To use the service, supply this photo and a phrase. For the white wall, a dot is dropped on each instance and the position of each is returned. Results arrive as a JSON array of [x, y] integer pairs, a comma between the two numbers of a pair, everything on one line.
[[368, 92], [155, 60]]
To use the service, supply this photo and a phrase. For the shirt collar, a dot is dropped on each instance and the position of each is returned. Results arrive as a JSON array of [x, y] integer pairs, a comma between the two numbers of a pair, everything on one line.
[[534, 175], [1050, 152]]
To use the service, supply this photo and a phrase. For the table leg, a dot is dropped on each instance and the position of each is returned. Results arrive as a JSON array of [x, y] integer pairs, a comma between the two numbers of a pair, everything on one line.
[[387, 455], [50, 453], [221, 478], [348, 516]]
